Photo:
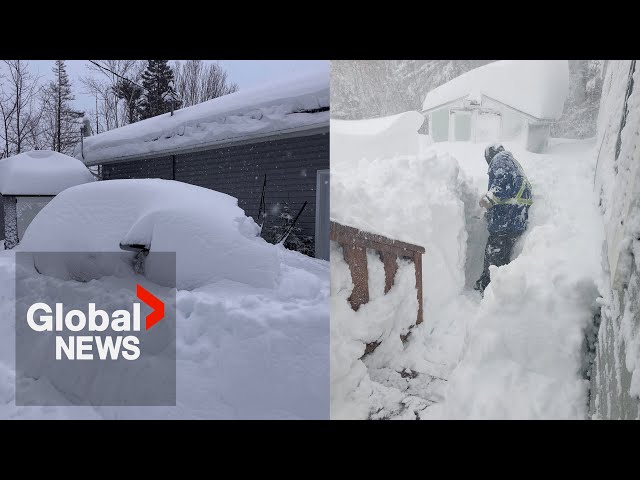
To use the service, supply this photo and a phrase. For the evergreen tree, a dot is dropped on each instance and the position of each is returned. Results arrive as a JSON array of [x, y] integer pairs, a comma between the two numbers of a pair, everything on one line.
[[157, 80], [133, 96], [63, 123]]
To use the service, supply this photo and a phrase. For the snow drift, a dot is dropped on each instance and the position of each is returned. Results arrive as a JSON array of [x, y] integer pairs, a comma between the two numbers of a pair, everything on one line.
[[212, 237], [41, 172]]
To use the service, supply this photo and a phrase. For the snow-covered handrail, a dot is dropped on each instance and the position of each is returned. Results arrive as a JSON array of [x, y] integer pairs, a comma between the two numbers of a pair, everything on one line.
[[354, 245]]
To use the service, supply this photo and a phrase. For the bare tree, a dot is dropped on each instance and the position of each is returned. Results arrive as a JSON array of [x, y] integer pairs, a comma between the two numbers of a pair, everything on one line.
[[197, 82], [20, 110], [7, 110], [112, 110]]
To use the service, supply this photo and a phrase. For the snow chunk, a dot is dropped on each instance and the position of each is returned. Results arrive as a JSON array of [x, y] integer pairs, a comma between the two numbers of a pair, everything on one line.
[[212, 237], [41, 172], [267, 109], [536, 87]]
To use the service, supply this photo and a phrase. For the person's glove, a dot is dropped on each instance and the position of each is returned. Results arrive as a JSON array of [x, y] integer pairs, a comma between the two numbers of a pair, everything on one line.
[[484, 202]]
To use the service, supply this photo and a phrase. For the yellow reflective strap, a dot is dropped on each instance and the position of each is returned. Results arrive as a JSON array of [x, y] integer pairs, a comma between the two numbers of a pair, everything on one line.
[[517, 200]]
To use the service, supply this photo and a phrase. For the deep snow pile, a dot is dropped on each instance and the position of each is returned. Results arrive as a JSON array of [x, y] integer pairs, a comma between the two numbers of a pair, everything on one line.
[[382, 137], [41, 172], [212, 237], [546, 83], [267, 109], [242, 352]]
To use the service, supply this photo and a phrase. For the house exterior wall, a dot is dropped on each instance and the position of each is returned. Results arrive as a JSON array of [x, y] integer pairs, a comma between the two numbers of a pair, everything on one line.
[[614, 388], [1, 218], [441, 122], [611, 379], [439, 125], [27, 208], [10, 222], [537, 137], [323, 216], [487, 126], [291, 166], [513, 123], [507, 124], [462, 125]]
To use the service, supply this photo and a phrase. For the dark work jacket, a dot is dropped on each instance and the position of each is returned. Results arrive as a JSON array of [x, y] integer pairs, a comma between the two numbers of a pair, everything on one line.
[[506, 177]]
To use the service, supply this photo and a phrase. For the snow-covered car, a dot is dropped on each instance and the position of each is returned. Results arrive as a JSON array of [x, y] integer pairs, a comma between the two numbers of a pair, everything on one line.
[[211, 236]]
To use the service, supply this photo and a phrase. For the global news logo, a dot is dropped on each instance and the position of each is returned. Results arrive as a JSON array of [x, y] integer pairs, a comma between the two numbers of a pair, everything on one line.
[[121, 326]]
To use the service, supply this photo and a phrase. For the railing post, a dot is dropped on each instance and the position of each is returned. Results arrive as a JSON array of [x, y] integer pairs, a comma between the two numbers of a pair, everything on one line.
[[356, 258], [390, 268], [417, 260]]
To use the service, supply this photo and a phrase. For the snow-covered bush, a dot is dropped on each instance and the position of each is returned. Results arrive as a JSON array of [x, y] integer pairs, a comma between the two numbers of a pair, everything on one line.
[[280, 224]]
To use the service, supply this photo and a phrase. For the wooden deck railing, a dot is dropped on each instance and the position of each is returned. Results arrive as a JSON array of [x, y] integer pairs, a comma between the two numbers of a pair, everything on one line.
[[354, 244]]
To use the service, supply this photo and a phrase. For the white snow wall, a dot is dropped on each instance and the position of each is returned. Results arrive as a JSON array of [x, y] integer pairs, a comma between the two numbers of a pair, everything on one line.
[[615, 379]]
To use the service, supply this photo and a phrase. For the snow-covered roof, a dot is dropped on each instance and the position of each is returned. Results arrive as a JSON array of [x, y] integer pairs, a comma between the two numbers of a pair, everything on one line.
[[299, 103], [536, 87], [41, 172]]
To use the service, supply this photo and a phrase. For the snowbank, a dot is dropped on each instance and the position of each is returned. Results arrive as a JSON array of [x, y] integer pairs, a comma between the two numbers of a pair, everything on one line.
[[274, 108], [375, 138], [212, 237], [545, 84], [41, 172]]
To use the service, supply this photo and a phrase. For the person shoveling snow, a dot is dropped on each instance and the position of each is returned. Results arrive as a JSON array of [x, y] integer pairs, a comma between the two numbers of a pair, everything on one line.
[[507, 201]]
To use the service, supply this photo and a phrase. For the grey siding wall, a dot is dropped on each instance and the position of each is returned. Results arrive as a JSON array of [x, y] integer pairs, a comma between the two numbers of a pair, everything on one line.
[[1, 218], [160, 167], [290, 165]]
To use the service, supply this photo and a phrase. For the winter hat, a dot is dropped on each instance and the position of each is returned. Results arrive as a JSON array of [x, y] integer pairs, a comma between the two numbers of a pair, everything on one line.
[[492, 150]]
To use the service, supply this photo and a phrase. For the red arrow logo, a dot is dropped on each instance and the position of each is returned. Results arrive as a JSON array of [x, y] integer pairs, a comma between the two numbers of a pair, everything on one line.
[[154, 302]]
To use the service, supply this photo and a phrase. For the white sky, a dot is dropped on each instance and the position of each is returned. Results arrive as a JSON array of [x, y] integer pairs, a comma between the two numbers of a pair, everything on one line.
[[246, 73]]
